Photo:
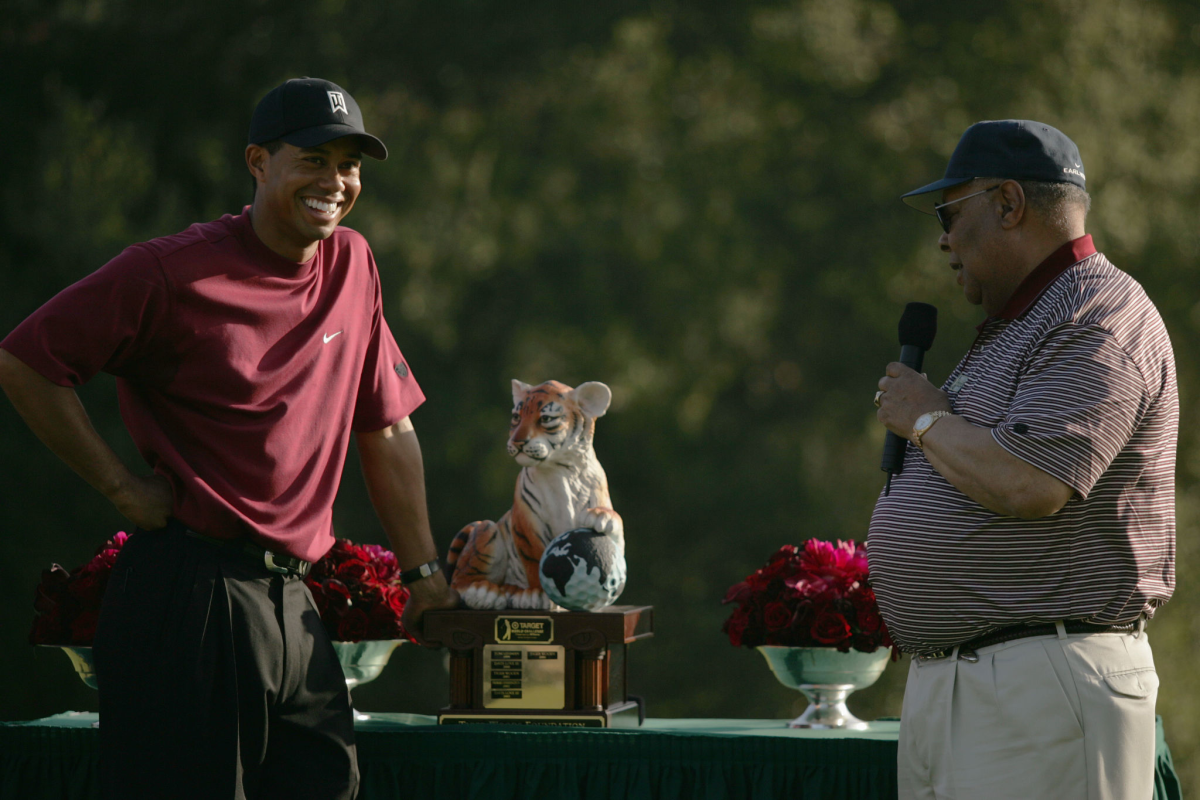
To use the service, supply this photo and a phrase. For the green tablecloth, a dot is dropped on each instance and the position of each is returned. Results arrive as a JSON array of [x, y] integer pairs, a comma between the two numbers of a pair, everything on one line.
[[407, 756]]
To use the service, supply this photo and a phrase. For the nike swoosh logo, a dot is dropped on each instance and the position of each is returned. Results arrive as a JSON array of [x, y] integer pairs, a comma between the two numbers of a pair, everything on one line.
[[329, 337]]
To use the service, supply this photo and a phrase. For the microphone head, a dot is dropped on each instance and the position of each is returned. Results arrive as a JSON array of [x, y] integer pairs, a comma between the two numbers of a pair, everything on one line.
[[918, 325]]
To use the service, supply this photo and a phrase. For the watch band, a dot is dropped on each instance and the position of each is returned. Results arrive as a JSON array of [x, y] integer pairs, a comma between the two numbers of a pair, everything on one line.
[[934, 416], [417, 573]]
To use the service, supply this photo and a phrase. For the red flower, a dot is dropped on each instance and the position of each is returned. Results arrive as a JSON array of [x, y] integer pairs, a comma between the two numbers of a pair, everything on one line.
[[869, 621], [83, 627], [48, 629], [738, 593], [866, 611], [384, 562], [776, 616], [735, 626], [68, 603], [353, 626], [320, 599], [383, 623], [816, 595], [830, 627], [777, 567], [338, 596], [88, 587], [818, 556], [395, 598], [358, 593]]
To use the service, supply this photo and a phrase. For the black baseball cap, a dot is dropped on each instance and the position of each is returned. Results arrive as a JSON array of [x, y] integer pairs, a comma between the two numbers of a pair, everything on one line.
[[1017, 149], [307, 112]]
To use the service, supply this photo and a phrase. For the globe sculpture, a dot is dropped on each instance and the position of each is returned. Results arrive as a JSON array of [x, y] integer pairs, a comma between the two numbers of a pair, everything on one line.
[[583, 570]]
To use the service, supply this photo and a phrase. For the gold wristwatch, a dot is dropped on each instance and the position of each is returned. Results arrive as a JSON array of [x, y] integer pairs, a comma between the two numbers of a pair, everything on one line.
[[924, 423]]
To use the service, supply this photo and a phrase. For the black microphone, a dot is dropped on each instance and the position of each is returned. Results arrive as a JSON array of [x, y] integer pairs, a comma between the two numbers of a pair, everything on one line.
[[918, 326]]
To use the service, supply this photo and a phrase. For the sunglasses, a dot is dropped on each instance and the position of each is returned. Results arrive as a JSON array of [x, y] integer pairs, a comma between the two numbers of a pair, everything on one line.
[[937, 210]]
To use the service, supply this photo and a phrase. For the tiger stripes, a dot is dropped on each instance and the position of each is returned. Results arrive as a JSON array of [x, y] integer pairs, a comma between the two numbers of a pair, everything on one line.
[[561, 487]]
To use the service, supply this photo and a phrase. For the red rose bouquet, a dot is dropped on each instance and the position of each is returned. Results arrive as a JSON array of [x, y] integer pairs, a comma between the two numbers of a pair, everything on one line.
[[358, 592], [815, 596], [68, 603]]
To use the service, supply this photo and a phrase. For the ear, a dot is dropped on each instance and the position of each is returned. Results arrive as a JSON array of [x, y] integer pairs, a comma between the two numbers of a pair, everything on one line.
[[256, 161], [1011, 200], [592, 397], [519, 391]]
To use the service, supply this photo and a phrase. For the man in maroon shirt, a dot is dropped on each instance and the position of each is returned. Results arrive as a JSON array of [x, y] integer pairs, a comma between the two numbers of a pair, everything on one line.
[[246, 351]]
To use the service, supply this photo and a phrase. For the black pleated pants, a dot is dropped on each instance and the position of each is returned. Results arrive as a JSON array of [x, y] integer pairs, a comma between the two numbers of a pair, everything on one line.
[[217, 680]]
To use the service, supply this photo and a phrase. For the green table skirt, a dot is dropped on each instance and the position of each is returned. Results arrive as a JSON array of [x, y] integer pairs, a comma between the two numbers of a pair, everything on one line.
[[405, 756]]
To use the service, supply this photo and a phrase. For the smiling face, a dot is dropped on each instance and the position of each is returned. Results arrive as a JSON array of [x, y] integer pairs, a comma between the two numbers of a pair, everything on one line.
[[303, 193]]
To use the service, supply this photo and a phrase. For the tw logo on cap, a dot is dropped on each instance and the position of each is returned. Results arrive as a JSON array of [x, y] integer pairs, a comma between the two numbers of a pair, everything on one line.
[[337, 102]]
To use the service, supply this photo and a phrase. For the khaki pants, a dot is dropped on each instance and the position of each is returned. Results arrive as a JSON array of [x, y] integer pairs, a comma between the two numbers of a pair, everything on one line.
[[1066, 717]]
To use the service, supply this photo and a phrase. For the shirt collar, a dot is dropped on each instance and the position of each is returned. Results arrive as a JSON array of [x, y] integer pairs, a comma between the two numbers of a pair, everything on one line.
[[1038, 281], [264, 254]]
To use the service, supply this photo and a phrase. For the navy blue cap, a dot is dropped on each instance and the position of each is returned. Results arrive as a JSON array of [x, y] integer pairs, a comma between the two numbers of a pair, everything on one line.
[[307, 112], [1016, 149]]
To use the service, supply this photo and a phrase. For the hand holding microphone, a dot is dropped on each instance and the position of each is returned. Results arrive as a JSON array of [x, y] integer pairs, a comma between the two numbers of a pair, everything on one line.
[[904, 394], [908, 395]]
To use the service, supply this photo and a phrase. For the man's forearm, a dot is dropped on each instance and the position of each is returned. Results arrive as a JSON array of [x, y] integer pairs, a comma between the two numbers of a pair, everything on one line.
[[966, 454], [58, 418], [395, 478], [968, 457]]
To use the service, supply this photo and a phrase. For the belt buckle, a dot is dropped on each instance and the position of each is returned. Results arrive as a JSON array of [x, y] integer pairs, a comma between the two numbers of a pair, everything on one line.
[[269, 562], [964, 655]]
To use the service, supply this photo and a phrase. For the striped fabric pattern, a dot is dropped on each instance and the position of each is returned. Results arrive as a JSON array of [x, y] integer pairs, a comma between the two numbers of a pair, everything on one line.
[[1082, 385]]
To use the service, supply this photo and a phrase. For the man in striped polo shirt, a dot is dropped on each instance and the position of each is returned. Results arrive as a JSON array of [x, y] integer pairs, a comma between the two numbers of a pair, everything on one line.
[[1031, 531]]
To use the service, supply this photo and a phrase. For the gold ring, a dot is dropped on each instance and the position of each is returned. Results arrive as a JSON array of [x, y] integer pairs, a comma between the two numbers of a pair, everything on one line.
[[878, 395]]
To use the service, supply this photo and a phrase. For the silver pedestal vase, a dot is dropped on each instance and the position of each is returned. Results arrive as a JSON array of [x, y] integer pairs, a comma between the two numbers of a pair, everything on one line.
[[81, 659], [363, 661], [826, 676]]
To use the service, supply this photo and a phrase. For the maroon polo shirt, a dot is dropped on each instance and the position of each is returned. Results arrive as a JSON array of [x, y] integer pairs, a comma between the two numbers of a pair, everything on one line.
[[1075, 376], [240, 374]]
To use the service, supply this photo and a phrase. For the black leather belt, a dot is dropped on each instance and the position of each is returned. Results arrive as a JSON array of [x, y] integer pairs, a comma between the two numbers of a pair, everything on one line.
[[260, 556], [967, 649]]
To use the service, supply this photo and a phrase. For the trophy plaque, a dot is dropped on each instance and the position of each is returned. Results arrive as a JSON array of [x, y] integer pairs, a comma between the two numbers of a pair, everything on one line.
[[522, 667]]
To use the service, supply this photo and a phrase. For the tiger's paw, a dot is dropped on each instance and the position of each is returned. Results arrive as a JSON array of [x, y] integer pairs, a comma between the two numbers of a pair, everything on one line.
[[534, 599], [602, 520], [484, 596]]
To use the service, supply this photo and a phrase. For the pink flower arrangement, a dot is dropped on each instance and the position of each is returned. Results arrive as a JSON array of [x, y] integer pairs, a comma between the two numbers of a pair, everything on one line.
[[356, 587], [815, 596], [358, 592], [68, 603]]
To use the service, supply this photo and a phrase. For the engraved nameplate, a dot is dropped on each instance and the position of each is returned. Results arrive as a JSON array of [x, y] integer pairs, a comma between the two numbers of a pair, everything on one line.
[[524, 676]]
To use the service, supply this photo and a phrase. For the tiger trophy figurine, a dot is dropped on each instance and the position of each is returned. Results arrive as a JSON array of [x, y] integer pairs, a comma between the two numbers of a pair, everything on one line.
[[561, 489]]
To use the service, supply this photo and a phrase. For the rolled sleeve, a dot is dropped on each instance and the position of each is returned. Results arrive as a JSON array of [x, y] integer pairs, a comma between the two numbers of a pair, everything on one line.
[[1076, 405]]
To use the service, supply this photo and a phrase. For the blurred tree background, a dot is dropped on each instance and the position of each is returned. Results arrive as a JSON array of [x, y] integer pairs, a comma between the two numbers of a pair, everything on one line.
[[695, 203]]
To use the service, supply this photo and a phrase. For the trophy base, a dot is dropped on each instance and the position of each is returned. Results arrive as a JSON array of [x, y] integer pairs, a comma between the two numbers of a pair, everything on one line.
[[619, 715], [533, 667]]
